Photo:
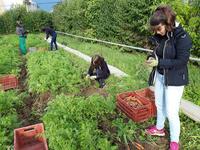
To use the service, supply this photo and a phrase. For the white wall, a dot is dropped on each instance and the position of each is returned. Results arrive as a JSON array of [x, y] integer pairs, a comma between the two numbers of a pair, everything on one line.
[[33, 6], [1, 6], [10, 3], [7, 4]]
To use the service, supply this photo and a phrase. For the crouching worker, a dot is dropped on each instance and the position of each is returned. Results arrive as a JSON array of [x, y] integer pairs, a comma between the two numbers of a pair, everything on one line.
[[98, 70], [51, 32]]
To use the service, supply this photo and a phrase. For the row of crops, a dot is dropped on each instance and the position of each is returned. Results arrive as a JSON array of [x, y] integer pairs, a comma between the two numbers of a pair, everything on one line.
[[71, 119]]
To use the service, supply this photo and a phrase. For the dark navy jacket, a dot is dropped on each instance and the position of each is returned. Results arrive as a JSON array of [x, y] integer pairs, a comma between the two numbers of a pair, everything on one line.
[[49, 32], [175, 56], [103, 71]]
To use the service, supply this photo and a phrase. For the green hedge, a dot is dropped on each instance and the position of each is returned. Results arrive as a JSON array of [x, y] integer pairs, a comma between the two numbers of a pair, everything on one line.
[[123, 21], [33, 21]]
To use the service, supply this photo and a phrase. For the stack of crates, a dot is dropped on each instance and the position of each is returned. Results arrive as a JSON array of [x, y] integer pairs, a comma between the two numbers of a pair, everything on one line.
[[138, 105], [127, 103]]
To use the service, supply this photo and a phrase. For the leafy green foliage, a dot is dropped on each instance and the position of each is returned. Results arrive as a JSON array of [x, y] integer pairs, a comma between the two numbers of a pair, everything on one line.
[[77, 127], [9, 55], [109, 19], [190, 138], [53, 71], [8, 114], [70, 16], [73, 122], [192, 91], [125, 131]]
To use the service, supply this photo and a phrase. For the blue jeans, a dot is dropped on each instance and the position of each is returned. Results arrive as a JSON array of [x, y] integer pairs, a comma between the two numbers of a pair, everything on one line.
[[53, 40], [167, 100]]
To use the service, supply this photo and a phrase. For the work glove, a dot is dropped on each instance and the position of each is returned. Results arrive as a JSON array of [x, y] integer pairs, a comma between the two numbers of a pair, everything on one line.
[[87, 76], [93, 77], [152, 62]]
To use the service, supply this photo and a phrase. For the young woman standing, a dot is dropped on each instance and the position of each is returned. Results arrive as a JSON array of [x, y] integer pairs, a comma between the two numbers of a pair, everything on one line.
[[170, 73]]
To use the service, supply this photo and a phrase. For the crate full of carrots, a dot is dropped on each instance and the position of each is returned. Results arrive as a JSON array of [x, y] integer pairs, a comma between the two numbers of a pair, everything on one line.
[[134, 106], [148, 94]]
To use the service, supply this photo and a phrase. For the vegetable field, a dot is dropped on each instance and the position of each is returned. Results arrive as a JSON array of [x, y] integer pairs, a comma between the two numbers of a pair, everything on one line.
[[75, 112]]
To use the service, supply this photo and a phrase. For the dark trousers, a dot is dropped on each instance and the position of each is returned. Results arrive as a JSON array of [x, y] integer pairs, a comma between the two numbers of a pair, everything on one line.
[[53, 41], [100, 79], [101, 82]]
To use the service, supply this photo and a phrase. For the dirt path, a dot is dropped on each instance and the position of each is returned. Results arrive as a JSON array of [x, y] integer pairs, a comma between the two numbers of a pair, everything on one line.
[[33, 104]]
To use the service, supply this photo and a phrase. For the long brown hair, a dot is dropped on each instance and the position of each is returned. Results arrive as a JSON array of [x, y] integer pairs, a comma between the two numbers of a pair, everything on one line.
[[96, 61], [164, 15]]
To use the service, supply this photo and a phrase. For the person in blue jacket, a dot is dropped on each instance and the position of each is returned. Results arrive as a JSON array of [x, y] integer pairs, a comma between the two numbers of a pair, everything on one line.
[[51, 32], [170, 73], [98, 70]]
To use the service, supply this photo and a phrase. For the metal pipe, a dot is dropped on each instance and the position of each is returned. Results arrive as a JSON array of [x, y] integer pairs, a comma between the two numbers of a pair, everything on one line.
[[117, 44]]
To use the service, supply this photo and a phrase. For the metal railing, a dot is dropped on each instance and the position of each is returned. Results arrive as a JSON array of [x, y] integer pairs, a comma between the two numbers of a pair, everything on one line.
[[116, 44]]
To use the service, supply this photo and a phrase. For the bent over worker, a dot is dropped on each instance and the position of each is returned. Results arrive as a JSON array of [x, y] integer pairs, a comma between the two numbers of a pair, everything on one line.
[[51, 32]]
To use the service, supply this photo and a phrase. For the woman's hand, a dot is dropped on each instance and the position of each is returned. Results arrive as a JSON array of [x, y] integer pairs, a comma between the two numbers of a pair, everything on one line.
[[152, 62], [87, 76], [93, 77]]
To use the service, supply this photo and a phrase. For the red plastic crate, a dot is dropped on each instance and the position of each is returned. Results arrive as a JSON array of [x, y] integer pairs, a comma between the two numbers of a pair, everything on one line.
[[148, 94], [30, 138], [137, 114], [8, 82]]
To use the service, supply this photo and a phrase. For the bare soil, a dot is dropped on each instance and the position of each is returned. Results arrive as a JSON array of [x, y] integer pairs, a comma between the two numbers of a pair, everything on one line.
[[33, 104], [93, 90]]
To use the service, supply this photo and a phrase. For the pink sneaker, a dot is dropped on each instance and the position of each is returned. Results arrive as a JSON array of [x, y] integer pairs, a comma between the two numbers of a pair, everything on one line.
[[152, 130], [174, 146]]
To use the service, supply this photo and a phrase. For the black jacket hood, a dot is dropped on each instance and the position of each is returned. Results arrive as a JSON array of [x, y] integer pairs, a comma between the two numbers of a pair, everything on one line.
[[178, 31]]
